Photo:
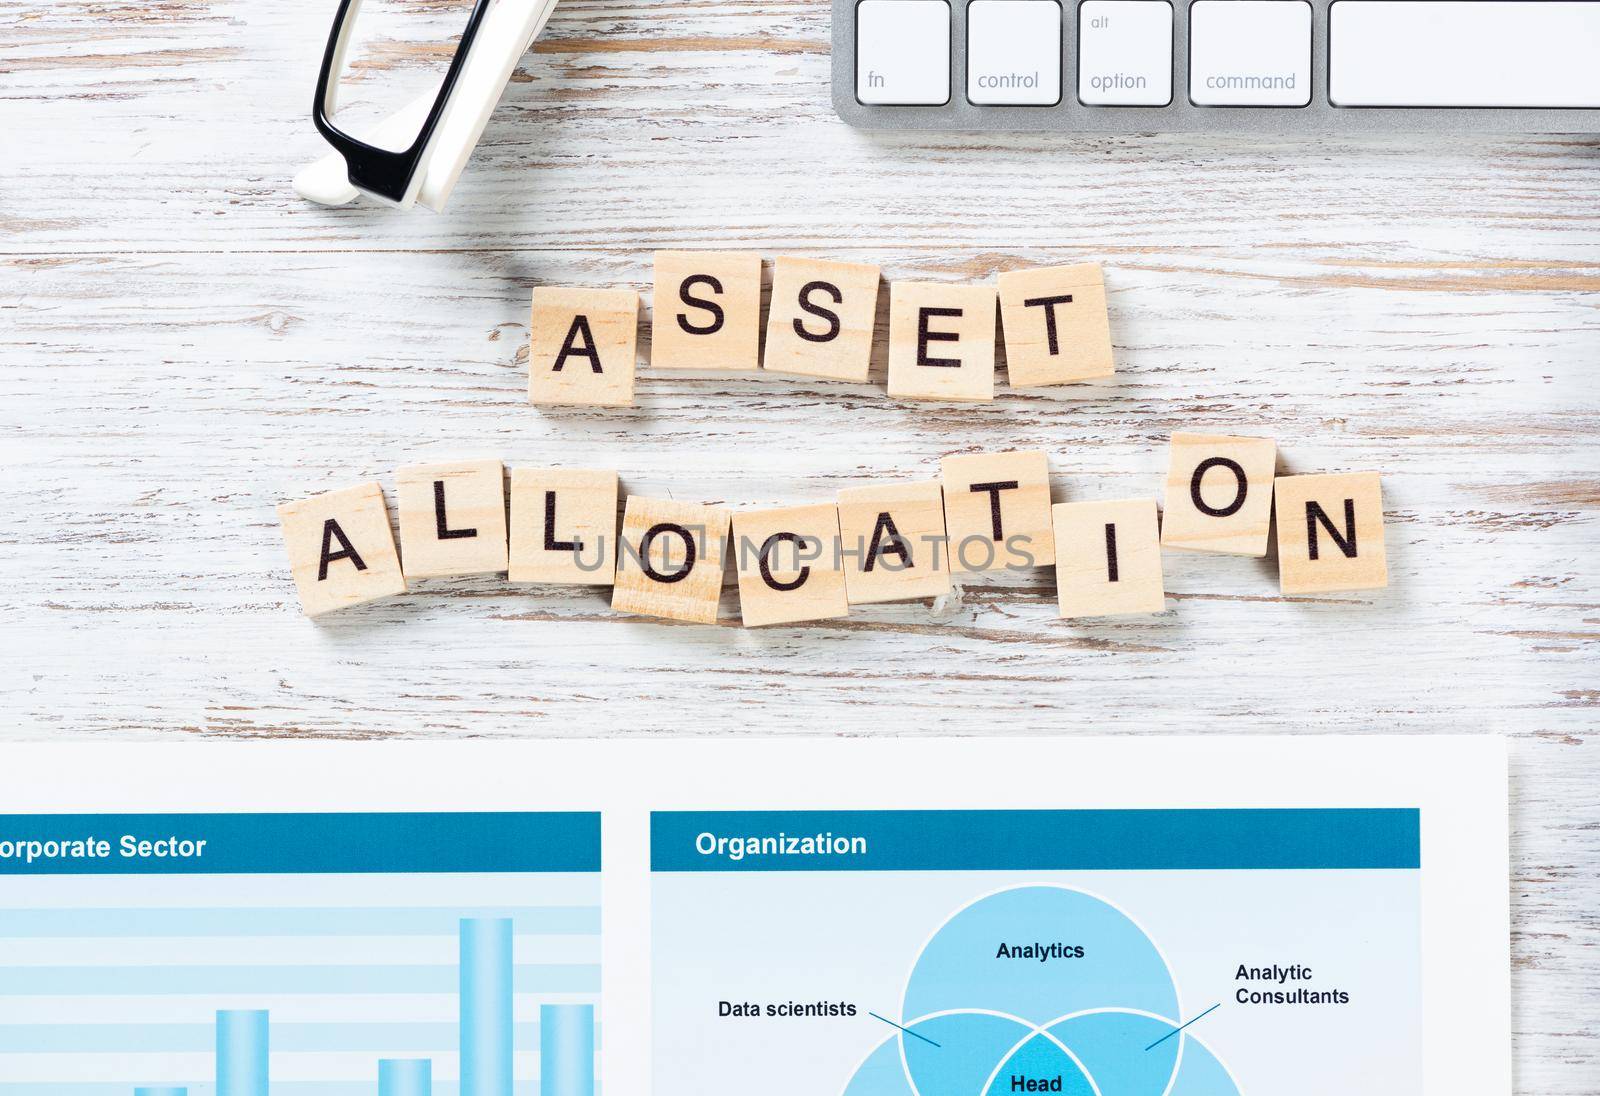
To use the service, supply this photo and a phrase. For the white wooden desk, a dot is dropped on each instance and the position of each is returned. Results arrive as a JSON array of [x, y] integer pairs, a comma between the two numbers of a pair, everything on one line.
[[185, 344]]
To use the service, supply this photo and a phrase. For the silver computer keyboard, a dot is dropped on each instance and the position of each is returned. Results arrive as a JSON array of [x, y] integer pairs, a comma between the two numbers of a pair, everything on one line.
[[1129, 66]]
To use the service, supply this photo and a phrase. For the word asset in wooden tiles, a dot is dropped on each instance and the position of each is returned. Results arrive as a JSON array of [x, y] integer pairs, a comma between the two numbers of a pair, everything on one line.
[[707, 314]]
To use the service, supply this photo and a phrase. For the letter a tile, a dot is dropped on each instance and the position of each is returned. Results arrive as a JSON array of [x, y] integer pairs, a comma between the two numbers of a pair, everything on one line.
[[583, 350], [341, 549], [893, 542]]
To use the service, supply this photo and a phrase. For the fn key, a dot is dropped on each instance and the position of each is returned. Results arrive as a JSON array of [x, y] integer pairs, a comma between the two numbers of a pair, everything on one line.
[[903, 52]]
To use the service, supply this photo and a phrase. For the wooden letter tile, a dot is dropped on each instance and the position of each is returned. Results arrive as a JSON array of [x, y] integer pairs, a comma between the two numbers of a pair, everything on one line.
[[997, 511], [563, 526], [1055, 324], [893, 542], [821, 320], [707, 311], [584, 347], [1330, 533], [789, 565], [341, 550], [1219, 494], [941, 341], [1108, 558], [452, 518], [669, 560]]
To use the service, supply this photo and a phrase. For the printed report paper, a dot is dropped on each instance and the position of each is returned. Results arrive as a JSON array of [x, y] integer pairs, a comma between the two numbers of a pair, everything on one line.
[[885, 917]]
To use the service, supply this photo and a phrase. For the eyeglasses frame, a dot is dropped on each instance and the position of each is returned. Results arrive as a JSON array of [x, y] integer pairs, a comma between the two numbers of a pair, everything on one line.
[[390, 175]]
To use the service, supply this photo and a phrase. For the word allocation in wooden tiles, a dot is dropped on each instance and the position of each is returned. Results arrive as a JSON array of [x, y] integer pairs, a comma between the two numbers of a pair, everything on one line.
[[707, 315], [893, 541]]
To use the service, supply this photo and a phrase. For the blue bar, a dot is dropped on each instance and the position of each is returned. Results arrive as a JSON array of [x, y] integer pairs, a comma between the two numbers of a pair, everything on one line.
[[1087, 840], [405, 1077], [161, 1090], [289, 921], [245, 844], [318, 978], [566, 1050], [441, 1087], [242, 1052], [485, 1006], [384, 1038]]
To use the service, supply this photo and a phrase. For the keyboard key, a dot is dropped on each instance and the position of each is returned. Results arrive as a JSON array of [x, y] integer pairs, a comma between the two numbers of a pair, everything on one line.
[[1125, 53], [1250, 53], [1014, 52], [1469, 53], [903, 52]]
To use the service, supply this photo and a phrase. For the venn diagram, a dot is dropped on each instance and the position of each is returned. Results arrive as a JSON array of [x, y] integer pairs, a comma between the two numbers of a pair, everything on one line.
[[1001, 1003]]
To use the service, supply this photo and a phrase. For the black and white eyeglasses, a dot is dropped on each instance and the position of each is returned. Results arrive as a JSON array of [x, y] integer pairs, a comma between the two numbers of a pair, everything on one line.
[[402, 105]]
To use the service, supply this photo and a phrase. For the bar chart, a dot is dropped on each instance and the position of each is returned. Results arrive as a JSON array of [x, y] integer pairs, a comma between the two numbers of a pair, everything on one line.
[[435, 978]]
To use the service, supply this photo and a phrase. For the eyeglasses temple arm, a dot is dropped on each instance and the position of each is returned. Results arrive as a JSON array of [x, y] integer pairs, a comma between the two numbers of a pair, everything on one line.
[[325, 180], [479, 90]]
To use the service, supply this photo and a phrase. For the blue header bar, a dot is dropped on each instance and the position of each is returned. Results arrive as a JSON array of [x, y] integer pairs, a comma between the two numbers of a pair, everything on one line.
[[1085, 840], [253, 844]]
